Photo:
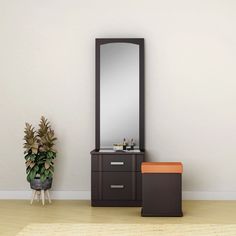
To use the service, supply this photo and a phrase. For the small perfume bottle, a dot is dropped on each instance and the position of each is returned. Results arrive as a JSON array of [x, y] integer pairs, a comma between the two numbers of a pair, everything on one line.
[[132, 144], [124, 144]]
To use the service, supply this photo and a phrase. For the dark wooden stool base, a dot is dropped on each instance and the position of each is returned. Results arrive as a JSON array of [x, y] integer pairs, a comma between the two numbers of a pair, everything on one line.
[[162, 194], [161, 214]]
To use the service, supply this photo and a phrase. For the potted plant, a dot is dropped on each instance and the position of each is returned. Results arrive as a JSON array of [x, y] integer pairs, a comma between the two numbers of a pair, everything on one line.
[[39, 154]]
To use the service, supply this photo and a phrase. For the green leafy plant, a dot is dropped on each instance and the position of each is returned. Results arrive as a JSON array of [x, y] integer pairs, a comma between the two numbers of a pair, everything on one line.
[[39, 150]]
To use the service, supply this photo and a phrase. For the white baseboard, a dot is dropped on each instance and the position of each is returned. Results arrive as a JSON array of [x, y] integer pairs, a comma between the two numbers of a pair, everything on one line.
[[85, 195], [60, 195], [192, 195]]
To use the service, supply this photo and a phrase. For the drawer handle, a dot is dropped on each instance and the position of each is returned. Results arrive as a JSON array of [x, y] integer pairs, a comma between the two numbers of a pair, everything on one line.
[[116, 186], [117, 163]]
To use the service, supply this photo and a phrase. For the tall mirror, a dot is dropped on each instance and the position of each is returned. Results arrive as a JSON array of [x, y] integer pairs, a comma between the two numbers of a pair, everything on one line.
[[119, 92]]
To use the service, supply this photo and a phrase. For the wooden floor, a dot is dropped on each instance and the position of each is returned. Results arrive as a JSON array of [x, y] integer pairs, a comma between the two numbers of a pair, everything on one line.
[[14, 215]]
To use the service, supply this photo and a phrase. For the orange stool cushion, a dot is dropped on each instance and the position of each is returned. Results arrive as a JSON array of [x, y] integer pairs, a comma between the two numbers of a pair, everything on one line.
[[162, 167]]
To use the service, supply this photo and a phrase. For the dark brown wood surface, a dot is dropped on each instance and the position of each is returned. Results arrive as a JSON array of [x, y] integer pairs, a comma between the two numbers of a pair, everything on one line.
[[162, 194], [116, 185]]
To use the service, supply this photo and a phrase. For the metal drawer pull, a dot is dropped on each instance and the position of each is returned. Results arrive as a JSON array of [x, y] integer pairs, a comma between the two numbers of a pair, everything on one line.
[[117, 186], [117, 163]]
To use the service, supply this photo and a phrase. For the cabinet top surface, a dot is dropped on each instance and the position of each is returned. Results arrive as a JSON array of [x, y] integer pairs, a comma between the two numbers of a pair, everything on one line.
[[123, 152]]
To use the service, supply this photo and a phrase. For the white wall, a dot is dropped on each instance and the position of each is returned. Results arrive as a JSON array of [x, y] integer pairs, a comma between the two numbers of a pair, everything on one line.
[[47, 67]]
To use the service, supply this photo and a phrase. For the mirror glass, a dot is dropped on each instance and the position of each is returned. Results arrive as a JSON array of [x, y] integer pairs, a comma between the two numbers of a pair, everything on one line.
[[119, 93]]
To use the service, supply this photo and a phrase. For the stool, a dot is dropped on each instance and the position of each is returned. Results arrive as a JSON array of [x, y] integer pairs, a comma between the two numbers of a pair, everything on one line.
[[162, 188], [40, 194]]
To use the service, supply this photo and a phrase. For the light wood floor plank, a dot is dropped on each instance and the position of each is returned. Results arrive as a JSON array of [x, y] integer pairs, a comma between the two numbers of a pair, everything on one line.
[[14, 215]]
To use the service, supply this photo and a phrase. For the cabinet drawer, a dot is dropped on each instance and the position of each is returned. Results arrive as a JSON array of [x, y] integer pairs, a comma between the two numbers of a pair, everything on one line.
[[118, 163], [118, 186]]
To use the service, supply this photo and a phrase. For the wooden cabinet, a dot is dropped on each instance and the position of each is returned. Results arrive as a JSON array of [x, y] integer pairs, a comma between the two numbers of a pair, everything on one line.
[[116, 178]]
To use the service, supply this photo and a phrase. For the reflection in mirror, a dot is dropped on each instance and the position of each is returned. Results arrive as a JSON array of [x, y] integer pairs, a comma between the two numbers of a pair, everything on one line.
[[119, 93]]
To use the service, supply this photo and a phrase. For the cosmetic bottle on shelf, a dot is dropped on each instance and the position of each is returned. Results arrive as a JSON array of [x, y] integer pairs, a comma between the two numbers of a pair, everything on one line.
[[132, 144], [124, 144]]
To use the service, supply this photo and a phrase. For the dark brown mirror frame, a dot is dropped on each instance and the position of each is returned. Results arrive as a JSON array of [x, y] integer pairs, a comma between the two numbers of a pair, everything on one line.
[[140, 42]]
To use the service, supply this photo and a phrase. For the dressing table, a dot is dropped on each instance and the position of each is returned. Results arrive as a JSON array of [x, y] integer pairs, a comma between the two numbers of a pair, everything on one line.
[[116, 175]]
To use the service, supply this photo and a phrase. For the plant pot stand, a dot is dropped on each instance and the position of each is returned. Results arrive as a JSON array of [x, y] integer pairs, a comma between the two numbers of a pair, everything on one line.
[[41, 194]]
